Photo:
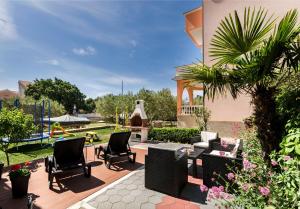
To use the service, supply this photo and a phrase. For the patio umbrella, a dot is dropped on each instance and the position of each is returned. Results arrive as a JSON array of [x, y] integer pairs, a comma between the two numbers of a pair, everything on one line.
[[69, 120]]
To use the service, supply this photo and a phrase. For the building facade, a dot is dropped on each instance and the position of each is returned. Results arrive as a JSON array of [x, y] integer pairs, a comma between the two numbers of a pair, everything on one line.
[[201, 24]]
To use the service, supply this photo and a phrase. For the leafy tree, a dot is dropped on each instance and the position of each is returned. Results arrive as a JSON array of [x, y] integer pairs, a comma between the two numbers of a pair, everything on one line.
[[90, 105], [159, 105], [55, 108], [58, 90], [14, 125], [252, 59], [166, 105]]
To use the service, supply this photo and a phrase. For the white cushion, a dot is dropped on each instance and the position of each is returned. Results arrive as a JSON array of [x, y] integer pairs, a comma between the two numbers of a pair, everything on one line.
[[206, 136], [228, 140], [226, 154], [236, 147], [201, 144]]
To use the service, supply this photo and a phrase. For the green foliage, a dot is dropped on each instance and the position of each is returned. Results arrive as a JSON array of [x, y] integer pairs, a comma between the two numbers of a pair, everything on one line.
[[55, 108], [181, 135], [159, 105], [14, 125], [202, 116], [58, 90], [90, 105], [20, 172], [290, 144], [288, 97], [260, 185]]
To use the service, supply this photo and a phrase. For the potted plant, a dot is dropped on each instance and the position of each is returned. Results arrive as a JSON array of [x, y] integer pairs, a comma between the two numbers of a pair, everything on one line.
[[19, 176], [1, 169]]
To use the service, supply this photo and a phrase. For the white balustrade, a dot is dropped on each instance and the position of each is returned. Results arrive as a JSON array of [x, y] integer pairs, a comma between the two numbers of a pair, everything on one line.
[[190, 110]]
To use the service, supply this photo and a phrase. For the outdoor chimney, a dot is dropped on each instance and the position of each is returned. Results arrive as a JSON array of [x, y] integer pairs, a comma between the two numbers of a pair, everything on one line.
[[139, 118]]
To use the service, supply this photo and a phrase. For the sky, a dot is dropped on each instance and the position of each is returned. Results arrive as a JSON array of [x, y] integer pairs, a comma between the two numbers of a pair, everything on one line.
[[95, 44]]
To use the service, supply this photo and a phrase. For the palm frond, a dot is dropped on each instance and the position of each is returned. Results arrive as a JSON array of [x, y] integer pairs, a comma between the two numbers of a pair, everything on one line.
[[216, 80], [234, 39]]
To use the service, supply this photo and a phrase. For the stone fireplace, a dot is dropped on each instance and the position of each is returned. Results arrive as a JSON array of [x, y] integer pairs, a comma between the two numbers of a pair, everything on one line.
[[139, 122]]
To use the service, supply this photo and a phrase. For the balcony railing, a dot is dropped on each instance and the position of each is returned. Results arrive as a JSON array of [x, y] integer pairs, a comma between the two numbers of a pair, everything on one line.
[[190, 110]]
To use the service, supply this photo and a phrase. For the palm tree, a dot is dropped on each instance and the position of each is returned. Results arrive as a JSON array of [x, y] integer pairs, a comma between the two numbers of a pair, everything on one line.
[[252, 55]]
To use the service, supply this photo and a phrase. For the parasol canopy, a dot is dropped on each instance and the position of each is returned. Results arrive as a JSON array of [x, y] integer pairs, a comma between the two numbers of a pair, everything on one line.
[[69, 120]]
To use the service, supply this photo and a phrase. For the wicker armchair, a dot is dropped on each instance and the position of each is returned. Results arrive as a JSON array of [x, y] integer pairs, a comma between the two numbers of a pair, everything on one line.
[[214, 163], [166, 170], [205, 140]]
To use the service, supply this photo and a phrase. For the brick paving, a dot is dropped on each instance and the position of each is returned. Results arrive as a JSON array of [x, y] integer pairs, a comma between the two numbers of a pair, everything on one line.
[[130, 193]]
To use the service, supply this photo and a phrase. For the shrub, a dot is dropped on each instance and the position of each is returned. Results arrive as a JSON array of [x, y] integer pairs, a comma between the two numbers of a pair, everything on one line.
[[181, 135], [290, 144], [14, 125], [260, 185]]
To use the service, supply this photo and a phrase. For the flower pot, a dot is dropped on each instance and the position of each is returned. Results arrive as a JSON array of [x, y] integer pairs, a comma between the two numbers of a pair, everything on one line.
[[1, 169], [19, 185]]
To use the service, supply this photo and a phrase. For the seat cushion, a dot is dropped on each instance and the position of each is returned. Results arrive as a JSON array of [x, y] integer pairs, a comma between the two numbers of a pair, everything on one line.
[[222, 153], [202, 144], [206, 136]]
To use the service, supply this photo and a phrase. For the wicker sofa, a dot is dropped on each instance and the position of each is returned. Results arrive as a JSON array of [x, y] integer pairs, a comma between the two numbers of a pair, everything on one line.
[[166, 169]]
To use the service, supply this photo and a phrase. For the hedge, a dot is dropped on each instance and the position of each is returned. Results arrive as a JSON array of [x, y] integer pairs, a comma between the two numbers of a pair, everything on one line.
[[181, 135]]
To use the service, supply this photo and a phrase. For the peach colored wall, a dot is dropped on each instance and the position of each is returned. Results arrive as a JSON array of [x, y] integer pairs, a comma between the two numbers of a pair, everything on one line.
[[227, 109]]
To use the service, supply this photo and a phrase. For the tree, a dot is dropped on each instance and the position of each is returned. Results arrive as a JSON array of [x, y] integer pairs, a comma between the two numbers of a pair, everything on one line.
[[58, 90], [252, 59], [90, 105], [166, 105], [159, 105], [14, 125]]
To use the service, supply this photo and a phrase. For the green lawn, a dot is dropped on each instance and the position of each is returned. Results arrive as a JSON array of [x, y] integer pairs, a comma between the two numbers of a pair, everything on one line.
[[36, 150]]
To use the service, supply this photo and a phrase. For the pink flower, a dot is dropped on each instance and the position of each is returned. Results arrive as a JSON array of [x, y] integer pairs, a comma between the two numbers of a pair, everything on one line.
[[245, 187], [230, 176], [217, 191], [224, 144], [203, 188], [221, 188], [287, 158], [222, 153], [274, 163], [213, 179], [248, 165], [264, 191]]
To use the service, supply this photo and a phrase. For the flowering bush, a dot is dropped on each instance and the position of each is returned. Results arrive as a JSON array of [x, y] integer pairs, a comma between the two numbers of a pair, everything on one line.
[[258, 184], [19, 170]]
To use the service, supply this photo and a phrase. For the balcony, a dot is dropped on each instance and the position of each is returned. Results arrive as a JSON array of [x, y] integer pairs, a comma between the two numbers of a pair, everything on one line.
[[190, 109]]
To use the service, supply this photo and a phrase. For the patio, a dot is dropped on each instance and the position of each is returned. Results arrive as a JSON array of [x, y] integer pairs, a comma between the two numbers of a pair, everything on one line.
[[105, 189]]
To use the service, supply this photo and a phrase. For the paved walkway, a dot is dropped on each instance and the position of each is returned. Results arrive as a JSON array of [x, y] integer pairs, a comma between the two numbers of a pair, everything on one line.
[[130, 193]]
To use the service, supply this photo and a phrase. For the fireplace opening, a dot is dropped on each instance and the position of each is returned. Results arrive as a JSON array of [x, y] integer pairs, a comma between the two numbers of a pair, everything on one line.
[[136, 120]]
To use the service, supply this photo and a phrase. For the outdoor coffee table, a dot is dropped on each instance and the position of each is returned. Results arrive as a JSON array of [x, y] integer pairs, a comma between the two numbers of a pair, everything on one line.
[[194, 155]]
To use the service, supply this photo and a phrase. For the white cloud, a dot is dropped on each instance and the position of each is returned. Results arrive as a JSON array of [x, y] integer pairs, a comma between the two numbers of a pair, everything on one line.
[[7, 27], [54, 62], [133, 43], [89, 50]]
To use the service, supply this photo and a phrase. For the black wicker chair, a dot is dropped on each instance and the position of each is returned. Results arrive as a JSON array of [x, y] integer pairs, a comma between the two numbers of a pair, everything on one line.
[[166, 170], [67, 155], [198, 141], [220, 165], [118, 146]]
